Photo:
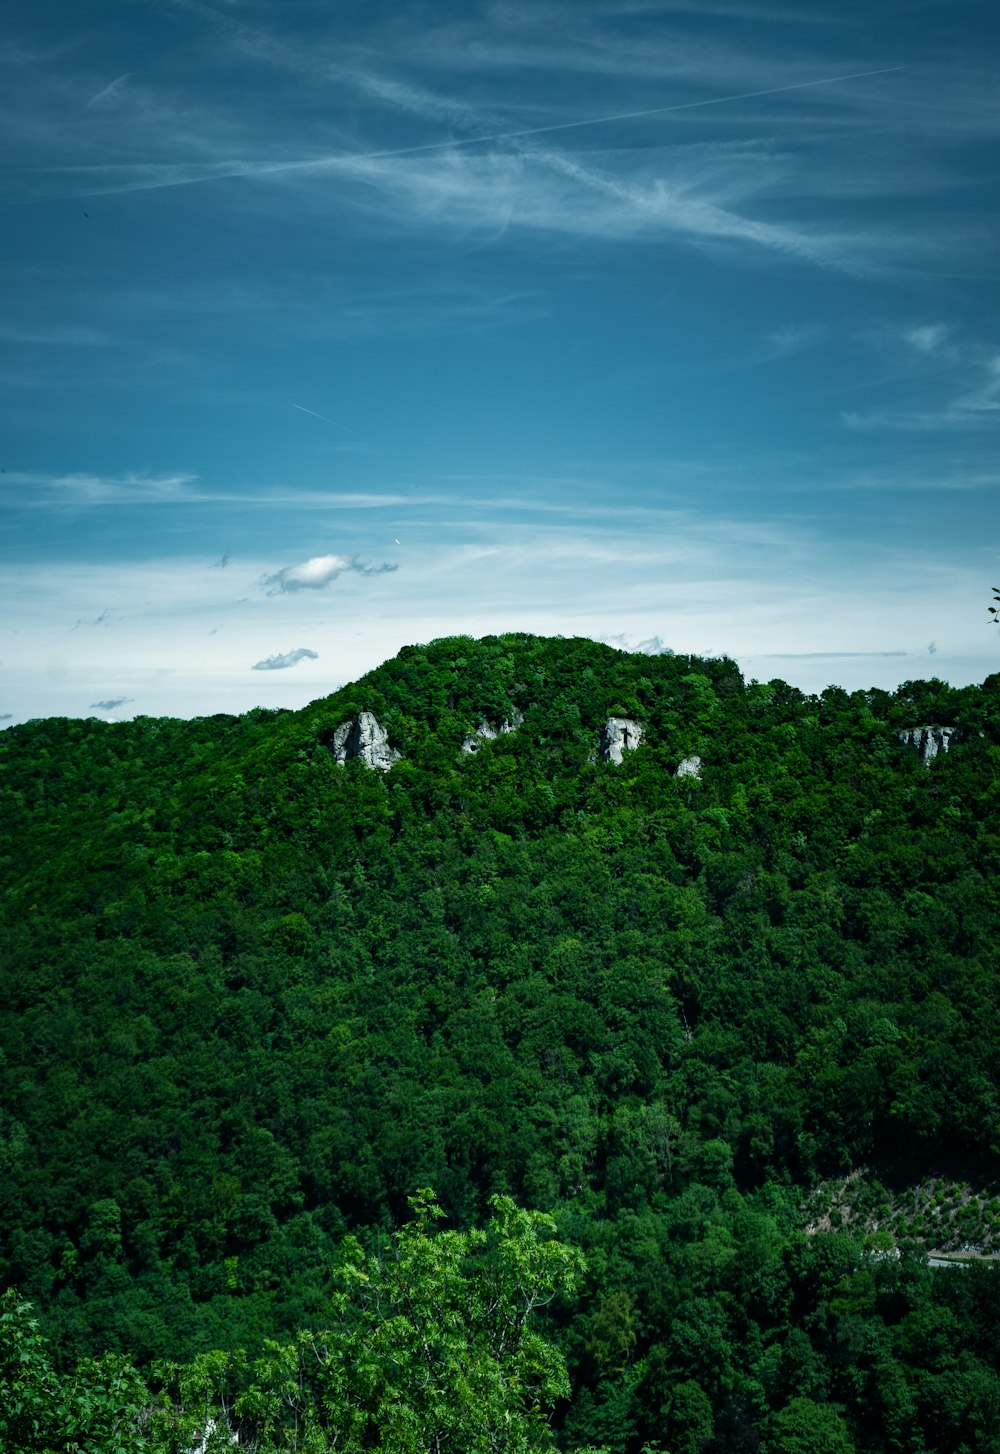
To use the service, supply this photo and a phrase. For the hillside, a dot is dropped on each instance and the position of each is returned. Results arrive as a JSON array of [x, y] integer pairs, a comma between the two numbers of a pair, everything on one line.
[[253, 997]]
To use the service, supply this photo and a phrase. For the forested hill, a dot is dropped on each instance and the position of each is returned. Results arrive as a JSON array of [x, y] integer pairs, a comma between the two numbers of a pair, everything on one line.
[[253, 997]]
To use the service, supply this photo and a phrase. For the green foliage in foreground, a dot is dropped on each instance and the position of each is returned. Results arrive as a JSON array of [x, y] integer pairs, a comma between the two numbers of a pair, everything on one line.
[[429, 1349]]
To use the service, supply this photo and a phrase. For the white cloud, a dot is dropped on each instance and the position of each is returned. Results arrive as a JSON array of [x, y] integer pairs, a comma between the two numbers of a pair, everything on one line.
[[651, 646], [976, 407], [318, 572], [927, 338], [697, 578], [285, 659], [985, 397], [110, 703], [88, 489], [513, 178]]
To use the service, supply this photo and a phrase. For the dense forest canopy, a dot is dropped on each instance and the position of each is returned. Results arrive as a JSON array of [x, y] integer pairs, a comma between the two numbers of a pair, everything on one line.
[[735, 1031]]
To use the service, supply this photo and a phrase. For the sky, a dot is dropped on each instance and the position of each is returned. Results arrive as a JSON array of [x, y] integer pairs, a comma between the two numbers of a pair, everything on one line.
[[328, 328]]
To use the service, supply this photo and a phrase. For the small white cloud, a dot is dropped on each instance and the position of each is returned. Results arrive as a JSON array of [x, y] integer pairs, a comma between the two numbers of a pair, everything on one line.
[[286, 659], [655, 646], [652, 646], [318, 572], [928, 337], [110, 703]]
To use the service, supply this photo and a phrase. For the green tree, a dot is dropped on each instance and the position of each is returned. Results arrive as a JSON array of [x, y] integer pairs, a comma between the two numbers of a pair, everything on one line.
[[94, 1410], [431, 1351], [806, 1427]]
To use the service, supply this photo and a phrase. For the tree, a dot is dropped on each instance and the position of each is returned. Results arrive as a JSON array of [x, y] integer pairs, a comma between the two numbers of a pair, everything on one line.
[[94, 1410], [806, 1427], [431, 1351]]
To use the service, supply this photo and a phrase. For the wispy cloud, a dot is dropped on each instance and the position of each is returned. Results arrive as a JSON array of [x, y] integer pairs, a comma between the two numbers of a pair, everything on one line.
[[89, 489], [826, 655], [111, 96], [110, 703], [927, 338], [135, 488], [55, 335], [285, 659], [977, 408], [105, 618], [318, 572], [6, 716], [936, 361], [504, 177], [794, 338]]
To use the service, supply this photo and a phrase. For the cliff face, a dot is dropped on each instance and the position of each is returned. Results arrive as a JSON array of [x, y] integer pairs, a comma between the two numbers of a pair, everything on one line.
[[619, 735], [485, 732], [363, 736], [689, 767], [927, 742]]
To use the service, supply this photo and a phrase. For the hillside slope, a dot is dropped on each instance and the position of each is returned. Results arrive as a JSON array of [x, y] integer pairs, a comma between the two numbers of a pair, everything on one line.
[[253, 998]]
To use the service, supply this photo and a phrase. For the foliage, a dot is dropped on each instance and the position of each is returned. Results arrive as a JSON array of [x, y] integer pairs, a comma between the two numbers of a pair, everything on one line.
[[430, 1347], [252, 999], [96, 1408]]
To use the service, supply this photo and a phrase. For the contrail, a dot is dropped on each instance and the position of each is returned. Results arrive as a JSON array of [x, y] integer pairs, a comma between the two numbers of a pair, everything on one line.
[[347, 159], [109, 93], [320, 416], [681, 106]]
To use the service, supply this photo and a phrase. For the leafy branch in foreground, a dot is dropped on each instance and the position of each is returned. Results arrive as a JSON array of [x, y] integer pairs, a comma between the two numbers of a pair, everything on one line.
[[430, 1351]]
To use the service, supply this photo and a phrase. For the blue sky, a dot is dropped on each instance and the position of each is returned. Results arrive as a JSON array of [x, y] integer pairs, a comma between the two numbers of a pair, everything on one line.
[[328, 328]]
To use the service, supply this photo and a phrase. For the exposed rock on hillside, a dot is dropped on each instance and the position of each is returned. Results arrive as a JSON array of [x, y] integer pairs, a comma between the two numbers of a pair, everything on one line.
[[485, 732], [929, 741], [620, 735], [689, 767], [363, 736]]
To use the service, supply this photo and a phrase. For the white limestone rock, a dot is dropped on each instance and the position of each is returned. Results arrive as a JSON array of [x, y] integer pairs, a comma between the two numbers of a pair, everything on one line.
[[363, 736], [485, 732], [620, 735], [689, 767], [208, 1437], [927, 742]]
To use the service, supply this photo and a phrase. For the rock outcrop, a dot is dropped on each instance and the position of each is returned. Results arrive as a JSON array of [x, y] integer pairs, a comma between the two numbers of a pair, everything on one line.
[[485, 732], [927, 742], [620, 735], [689, 767], [363, 736]]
